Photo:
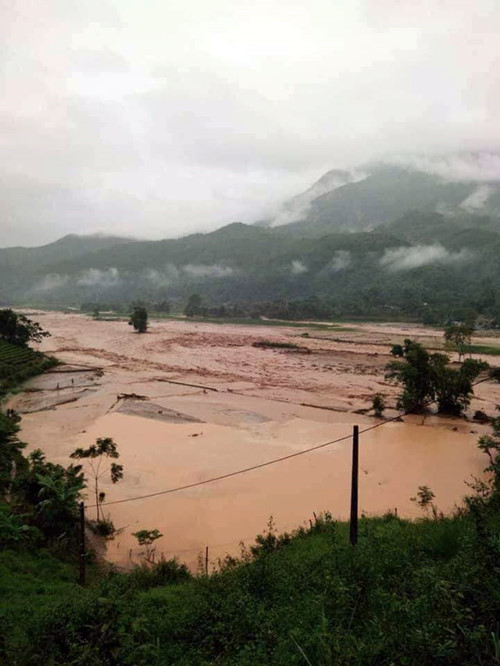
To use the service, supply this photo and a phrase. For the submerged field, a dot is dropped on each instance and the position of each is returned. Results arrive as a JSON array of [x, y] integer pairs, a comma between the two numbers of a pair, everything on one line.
[[189, 401]]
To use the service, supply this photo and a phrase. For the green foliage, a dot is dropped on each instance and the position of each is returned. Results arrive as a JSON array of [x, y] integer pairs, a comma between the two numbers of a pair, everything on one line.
[[459, 337], [428, 377], [147, 538], [19, 330], [11, 457], [104, 449], [408, 593], [378, 404], [19, 363], [139, 319]]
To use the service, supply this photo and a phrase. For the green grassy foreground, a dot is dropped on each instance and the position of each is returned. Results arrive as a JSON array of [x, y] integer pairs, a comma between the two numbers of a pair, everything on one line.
[[425, 592]]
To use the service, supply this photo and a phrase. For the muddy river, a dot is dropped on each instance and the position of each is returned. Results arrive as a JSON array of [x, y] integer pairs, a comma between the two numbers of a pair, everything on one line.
[[189, 401]]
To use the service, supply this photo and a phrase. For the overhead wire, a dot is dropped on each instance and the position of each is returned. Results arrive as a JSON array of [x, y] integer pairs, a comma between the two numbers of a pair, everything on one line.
[[267, 463]]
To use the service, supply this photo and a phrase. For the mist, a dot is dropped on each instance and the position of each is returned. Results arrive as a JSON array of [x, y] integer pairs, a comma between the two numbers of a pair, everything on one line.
[[407, 258], [158, 120]]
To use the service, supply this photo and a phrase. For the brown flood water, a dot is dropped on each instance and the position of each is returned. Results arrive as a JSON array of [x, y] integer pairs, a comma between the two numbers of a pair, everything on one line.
[[177, 434]]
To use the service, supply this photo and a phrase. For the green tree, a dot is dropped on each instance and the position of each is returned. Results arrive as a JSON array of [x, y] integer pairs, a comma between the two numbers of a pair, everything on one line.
[[428, 377], [147, 538], [456, 336], [54, 491], [414, 373], [11, 457], [139, 319], [193, 306], [378, 404], [19, 330], [103, 449]]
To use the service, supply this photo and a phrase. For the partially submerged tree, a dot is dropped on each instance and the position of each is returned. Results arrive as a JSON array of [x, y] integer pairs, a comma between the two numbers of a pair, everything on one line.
[[428, 377], [378, 404], [19, 330], [103, 450], [139, 319]]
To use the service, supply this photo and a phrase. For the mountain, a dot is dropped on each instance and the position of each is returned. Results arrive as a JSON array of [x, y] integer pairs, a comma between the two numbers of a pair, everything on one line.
[[380, 194], [381, 240]]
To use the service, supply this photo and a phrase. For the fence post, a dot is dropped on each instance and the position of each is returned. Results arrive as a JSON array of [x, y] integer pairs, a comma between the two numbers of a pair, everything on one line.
[[83, 554], [206, 561], [353, 527]]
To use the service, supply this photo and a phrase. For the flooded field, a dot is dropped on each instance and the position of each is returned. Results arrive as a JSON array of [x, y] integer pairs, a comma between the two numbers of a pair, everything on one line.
[[189, 401]]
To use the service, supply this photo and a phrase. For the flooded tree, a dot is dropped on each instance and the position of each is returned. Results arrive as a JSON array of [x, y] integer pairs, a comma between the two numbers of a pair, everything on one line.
[[428, 377], [378, 404], [139, 319]]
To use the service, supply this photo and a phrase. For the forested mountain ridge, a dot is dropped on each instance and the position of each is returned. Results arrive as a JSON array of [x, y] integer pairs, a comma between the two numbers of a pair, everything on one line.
[[418, 262], [379, 194]]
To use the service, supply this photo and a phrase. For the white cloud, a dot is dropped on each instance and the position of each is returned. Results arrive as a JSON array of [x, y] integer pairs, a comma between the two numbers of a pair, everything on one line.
[[298, 267], [50, 282], [94, 276], [340, 260], [203, 270], [407, 258]]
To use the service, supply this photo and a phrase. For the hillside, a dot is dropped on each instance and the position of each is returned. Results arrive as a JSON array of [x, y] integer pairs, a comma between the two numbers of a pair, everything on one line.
[[382, 194], [424, 592], [369, 245]]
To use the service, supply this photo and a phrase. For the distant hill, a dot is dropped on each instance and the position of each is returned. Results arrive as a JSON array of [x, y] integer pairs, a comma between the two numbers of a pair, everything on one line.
[[424, 262], [380, 240]]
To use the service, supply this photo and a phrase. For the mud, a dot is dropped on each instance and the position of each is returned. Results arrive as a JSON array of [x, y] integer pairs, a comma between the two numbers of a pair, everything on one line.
[[204, 401]]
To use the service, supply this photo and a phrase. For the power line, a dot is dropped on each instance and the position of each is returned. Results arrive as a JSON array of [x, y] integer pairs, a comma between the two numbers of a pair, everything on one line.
[[264, 464]]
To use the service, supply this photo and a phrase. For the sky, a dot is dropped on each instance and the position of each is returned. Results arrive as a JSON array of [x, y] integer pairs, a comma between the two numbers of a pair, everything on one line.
[[158, 119]]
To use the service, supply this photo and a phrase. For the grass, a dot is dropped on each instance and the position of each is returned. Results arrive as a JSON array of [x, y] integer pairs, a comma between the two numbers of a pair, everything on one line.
[[20, 363], [425, 592], [484, 349]]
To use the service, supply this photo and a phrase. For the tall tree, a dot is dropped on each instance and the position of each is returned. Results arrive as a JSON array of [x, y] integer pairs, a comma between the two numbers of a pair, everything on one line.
[[104, 449], [139, 319], [19, 330]]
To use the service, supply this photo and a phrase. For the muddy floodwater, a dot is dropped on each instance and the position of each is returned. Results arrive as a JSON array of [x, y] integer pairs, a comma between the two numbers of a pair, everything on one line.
[[189, 401]]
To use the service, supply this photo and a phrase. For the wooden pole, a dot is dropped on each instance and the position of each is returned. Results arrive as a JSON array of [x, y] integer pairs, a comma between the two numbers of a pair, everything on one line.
[[206, 561], [83, 554], [353, 531]]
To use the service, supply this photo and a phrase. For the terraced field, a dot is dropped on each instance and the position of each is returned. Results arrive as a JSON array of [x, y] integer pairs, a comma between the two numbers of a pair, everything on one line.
[[19, 363]]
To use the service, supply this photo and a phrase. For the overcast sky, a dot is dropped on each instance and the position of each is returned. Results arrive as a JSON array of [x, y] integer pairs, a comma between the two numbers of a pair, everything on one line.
[[158, 118]]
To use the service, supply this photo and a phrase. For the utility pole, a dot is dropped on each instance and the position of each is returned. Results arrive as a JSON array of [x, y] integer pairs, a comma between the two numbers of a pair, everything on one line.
[[206, 561], [353, 527], [83, 554]]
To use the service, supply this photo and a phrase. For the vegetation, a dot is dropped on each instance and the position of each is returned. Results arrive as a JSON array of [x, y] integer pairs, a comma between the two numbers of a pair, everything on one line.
[[378, 404], [19, 363], [278, 344], [139, 319], [19, 330], [411, 592], [147, 538], [458, 336], [104, 449], [428, 377]]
